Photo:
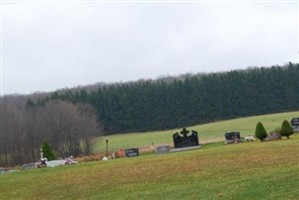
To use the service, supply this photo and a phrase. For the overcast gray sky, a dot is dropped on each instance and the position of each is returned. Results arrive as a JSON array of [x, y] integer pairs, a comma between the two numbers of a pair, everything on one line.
[[53, 45]]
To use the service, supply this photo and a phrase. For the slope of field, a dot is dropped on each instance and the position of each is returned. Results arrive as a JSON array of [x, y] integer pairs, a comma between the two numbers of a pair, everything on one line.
[[211, 132], [253, 170]]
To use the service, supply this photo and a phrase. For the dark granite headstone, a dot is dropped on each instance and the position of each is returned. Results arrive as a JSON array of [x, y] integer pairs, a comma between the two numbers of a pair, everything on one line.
[[232, 137], [188, 139], [295, 124], [163, 149], [133, 152]]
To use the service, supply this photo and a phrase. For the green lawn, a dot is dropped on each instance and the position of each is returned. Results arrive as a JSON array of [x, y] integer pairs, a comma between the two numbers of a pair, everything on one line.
[[210, 132], [253, 170]]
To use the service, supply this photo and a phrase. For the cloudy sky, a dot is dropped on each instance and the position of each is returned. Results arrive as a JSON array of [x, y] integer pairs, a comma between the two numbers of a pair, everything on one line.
[[52, 45]]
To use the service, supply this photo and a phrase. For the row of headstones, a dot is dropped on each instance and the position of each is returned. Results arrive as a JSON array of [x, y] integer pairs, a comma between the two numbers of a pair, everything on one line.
[[186, 138], [133, 152], [182, 139], [234, 137]]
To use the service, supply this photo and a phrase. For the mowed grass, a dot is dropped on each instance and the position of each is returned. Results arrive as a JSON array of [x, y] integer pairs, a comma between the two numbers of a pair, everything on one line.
[[211, 132], [253, 170]]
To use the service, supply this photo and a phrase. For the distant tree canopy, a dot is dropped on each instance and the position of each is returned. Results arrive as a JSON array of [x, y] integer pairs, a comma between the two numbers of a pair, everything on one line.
[[190, 99], [68, 127]]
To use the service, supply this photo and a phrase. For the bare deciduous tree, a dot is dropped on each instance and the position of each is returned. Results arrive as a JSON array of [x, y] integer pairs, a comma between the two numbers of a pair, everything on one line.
[[66, 126]]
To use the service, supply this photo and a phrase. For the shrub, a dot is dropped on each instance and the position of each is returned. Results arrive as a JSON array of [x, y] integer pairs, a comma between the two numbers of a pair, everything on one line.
[[48, 152], [260, 131], [286, 129]]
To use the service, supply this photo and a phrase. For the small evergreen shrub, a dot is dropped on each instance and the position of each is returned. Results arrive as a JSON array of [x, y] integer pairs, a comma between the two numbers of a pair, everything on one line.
[[286, 129], [260, 131], [48, 152]]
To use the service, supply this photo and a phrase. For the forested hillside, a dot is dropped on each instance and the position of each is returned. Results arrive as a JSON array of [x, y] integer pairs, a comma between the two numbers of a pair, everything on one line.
[[190, 99], [69, 118]]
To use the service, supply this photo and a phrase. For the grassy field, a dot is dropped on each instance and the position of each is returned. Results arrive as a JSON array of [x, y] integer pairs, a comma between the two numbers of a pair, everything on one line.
[[211, 132], [253, 170]]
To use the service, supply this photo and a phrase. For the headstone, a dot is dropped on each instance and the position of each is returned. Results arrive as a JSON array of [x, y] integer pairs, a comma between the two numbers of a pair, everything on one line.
[[162, 149], [188, 139], [273, 136], [28, 166], [55, 163], [295, 124], [133, 152], [232, 137]]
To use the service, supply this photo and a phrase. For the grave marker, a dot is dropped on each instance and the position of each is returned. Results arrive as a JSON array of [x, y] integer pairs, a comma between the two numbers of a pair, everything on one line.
[[133, 152], [295, 124], [232, 137], [163, 149], [28, 166], [189, 138]]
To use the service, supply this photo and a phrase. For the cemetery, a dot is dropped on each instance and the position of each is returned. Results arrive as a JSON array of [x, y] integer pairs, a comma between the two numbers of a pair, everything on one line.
[[161, 166], [169, 174], [182, 140]]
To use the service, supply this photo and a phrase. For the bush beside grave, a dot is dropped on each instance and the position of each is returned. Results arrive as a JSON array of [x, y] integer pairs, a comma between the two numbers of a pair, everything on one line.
[[48, 152], [260, 132], [286, 129]]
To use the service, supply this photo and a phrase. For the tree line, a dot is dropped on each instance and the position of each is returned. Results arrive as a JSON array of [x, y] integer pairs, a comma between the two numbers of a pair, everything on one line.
[[68, 127], [68, 119], [189, 99]]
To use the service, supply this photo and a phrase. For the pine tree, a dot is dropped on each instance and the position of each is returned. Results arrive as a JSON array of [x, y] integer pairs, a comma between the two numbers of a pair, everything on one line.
[[260, 131], [48, 152], [286, 129]]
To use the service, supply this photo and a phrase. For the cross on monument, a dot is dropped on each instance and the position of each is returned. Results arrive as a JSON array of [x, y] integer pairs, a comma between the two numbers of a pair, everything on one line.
[[184, 132]]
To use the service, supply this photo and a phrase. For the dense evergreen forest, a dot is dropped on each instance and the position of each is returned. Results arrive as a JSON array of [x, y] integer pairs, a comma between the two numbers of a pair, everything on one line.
[[189, 99]]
